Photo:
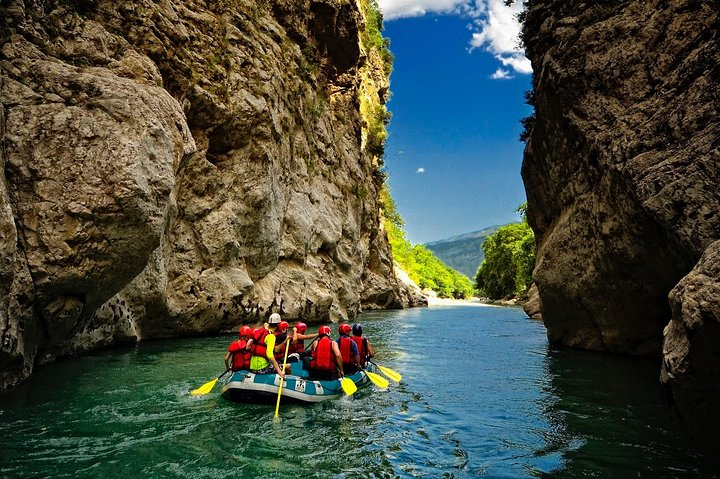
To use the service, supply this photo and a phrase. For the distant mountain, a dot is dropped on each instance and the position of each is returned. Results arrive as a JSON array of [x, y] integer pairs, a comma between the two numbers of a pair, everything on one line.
[[463, 253]]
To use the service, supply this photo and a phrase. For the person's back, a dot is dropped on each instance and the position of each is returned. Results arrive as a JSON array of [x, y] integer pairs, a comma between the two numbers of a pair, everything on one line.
[[262, 348], [298, 344], [325, 356], [238, 357], [365, 349], [258, 360], [348, 350]]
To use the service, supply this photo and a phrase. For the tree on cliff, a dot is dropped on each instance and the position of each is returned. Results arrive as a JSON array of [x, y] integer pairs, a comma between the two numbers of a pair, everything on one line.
[[509, 260]]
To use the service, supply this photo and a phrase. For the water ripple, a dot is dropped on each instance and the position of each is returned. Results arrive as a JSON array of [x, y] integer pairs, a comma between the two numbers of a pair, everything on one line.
[[482, 396]]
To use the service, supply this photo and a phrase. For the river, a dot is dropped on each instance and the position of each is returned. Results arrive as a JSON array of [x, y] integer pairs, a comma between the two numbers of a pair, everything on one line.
[[482, 396]]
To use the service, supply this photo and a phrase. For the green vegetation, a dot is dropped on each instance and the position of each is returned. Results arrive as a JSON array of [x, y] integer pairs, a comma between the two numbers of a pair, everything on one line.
[[509, 260], [372, 105], [528, 122], [379, 117], [418, 262], [372, 37]]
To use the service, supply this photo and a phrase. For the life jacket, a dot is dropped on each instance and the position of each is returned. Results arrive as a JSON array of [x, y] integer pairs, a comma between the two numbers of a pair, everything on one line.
[[258, 347], [240, 355], [323, 357], [362, 348], [345, 344], [297, 347], [279, 338]]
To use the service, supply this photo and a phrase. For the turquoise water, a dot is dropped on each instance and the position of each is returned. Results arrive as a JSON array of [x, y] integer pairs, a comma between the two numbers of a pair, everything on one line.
[[482, 396]]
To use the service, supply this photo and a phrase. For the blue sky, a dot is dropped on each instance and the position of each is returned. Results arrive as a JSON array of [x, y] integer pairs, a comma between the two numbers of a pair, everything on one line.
[[453, 152]]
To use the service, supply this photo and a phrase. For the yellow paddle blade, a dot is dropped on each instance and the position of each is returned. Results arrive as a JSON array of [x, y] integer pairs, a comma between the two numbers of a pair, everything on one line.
[[378, 380], [348, 386], [394, 375], [205, 388]]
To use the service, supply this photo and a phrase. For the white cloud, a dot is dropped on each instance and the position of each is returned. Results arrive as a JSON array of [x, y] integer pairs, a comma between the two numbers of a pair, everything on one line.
[[495, 25], [517, 61], [501, 74], [499, 34], [415, 8], [420, 170]]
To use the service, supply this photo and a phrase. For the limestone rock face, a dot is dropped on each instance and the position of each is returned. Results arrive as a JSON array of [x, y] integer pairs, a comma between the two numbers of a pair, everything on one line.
[[532, 305], [622, 173], [690, 372], [171, 169]]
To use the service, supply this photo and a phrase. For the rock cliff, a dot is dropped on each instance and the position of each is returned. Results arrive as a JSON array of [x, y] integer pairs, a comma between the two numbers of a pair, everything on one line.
[[622, 172], [175, 168]]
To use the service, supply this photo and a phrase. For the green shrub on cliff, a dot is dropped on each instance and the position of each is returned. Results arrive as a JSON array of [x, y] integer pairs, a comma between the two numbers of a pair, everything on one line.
[[374, 94], [420, 263], [372, 35], [378, 119], [509, 261]]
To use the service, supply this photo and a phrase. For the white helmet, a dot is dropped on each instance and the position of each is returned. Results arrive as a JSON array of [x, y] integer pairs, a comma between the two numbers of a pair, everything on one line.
[[274, 319]]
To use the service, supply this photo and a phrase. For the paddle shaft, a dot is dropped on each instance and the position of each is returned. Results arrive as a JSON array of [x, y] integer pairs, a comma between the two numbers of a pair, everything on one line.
[[282, 381]]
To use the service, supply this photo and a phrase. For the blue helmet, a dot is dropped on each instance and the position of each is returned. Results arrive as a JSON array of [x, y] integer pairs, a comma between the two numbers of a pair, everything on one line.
[[357, 330]]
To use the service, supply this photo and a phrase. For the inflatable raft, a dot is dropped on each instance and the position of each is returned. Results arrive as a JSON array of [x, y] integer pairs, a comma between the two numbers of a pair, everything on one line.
[[248, 387]]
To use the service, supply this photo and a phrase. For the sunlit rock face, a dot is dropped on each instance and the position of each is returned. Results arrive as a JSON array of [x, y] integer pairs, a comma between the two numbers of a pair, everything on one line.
[[174, 169], [622, 172]]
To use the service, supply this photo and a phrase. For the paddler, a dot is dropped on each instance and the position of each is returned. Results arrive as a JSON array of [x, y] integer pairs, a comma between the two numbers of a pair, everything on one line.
[[262, 348]]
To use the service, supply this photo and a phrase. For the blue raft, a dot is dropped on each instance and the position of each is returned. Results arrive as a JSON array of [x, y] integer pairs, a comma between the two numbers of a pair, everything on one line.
[[248, 387]]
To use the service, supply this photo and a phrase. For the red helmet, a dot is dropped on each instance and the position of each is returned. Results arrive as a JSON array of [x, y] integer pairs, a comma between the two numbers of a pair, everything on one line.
[[282, 327], [344, 328], [301, 327], [245, 331], [324, 330]]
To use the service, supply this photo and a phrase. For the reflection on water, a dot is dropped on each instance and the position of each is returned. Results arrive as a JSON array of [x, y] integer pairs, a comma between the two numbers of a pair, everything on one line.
[[482, 396], [607, 419]]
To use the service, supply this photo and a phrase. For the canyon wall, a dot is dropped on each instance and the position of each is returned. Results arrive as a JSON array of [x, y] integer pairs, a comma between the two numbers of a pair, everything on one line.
[[622, 173], [177, 168]]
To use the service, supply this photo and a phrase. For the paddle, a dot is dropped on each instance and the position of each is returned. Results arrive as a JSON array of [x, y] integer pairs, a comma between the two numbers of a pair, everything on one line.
[[348, 386], [282, 381], [377, 379], [394, 375], [207, 387]]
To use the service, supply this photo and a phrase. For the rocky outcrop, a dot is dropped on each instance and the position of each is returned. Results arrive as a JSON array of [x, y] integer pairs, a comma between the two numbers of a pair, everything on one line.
[[622, 169], [690, 372], [531, 305], [174, 169]]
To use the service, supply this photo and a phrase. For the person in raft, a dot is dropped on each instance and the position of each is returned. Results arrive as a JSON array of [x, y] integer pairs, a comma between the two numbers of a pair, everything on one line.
[[262, 348], [281, 339], [348, 350], [238, 356], [297, 347], [326, 358], [365, 349]]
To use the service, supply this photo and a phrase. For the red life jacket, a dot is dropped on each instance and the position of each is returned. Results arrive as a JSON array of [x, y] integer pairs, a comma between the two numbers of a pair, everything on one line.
[[240, 355], [297, 347], [279, 338], [323, 357], [362, 348], [345, 344], [259, 348]]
